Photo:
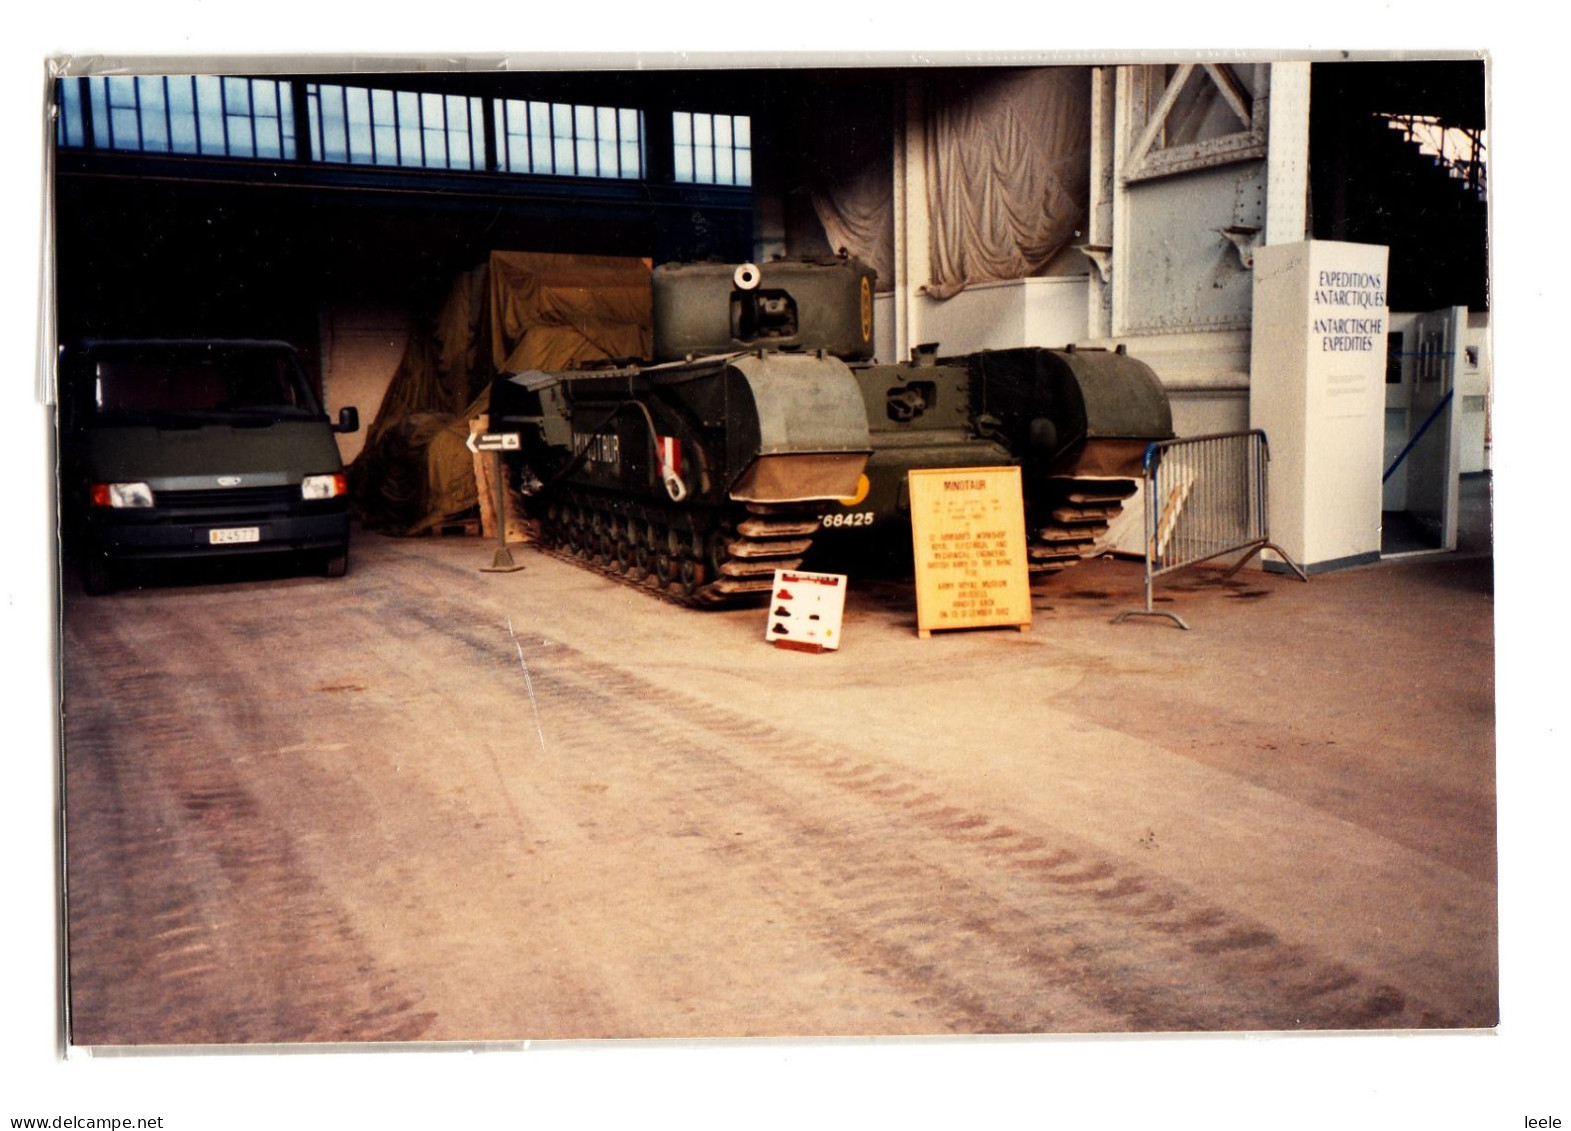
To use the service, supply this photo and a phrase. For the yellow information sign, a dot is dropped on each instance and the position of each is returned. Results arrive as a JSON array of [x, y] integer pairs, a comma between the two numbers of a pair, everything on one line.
[[968, 531]]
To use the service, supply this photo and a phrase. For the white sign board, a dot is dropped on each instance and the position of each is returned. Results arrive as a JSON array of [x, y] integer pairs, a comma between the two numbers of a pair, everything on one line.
[[493, 442], [805, 610], [1317, 389]]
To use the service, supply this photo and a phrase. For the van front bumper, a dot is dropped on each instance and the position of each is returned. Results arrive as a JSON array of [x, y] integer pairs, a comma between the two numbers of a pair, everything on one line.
[[139, 535]]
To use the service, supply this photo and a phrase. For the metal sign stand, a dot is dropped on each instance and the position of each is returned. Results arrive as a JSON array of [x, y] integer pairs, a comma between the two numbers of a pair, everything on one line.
[[496, 443]]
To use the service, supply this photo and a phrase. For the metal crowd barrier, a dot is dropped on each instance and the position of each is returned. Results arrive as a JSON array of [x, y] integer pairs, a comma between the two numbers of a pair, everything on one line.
[[1205, 498]]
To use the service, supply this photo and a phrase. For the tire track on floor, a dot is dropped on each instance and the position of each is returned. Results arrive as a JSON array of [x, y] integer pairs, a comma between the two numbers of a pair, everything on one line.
[[1126, 937], [191, 920]]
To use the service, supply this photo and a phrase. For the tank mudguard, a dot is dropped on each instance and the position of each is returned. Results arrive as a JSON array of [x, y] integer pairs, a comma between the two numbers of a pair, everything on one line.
[[812, 436], [1050, 404]]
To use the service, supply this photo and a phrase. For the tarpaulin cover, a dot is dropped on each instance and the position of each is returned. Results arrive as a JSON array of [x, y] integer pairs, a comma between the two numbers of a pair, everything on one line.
[[522, 310], [551, 311]]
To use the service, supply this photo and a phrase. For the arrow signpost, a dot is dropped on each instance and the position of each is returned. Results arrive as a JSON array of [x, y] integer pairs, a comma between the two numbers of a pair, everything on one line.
[[496, 443]]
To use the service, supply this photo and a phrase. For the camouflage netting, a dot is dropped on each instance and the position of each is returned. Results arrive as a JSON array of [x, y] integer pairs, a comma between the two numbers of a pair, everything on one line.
[[522, 310]]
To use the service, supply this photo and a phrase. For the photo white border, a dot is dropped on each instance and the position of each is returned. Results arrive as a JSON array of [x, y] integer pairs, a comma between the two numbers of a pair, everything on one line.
[[1423, 1081]]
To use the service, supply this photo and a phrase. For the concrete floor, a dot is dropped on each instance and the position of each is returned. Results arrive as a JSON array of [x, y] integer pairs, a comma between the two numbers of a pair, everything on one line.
[[434, 804]]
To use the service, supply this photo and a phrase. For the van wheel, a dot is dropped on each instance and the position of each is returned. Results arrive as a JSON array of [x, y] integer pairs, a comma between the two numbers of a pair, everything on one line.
[[336, 565], [98, 577]]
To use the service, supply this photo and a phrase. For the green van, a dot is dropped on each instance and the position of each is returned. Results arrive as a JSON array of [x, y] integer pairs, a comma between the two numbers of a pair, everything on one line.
[[184, 450]]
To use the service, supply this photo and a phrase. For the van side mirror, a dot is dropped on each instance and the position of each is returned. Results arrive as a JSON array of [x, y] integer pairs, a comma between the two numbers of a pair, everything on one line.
[[348, 420]]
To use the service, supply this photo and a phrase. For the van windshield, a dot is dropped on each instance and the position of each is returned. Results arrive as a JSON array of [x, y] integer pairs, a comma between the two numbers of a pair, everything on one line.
[[202, 381]]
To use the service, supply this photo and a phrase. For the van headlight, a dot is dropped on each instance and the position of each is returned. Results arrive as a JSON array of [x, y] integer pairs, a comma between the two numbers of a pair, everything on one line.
[[122, 495], [315, 487]]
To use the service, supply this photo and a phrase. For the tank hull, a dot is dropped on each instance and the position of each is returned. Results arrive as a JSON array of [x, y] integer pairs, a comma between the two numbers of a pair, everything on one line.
[[699, 476]]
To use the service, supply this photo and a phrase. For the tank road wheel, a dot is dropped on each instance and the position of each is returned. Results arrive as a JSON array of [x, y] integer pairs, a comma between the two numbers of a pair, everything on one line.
[[665, 565], [621, 552], [690, 575], [561, 529], [574, 515], [717, 551], [676, 542], [643, 561]]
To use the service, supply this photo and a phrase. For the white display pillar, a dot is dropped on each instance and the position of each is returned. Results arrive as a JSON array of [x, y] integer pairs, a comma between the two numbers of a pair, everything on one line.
[[1317, 389]]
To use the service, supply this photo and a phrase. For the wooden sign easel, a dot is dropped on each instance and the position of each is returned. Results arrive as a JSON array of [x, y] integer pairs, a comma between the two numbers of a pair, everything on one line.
[[968, 534]]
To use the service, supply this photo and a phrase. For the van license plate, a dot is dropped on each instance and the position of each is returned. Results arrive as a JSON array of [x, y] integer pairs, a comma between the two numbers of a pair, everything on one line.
[[234, 534]]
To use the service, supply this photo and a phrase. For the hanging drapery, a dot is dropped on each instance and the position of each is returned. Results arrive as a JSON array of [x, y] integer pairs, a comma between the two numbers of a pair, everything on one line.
[[843, 140], [858, 214], [1008, 171]]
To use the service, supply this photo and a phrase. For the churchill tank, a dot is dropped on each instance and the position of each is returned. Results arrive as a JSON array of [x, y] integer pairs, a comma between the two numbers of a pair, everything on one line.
[[762, 435]]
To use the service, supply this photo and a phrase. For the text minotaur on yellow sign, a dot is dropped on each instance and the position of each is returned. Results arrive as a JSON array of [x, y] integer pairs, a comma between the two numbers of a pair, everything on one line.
[[968, 534]]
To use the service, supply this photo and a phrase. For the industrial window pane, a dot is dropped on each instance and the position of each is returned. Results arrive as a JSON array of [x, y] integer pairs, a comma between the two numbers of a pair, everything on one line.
[[384, 142], [540, 137], [334, 144], [477, 133], [561, 138], [239, 137], [383, 127], [605, 138], [703, 149], [100, 107], [237, 96], [584, 141], [227, 115], [237, 118], [242, 140], [182, 114], [357, 121], [512, 120], [210, 114], [264, 98], [69, 130], [712, 148], [459, 155], [631, 127], [152, 109], [725, 161], [410, 149], [313, 110], [265, 115], [433, 132], [124, 122], [286, 119]]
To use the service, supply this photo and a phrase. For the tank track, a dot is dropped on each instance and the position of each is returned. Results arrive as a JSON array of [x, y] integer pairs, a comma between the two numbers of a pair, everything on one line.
[[698, 559], [1066, 528]]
